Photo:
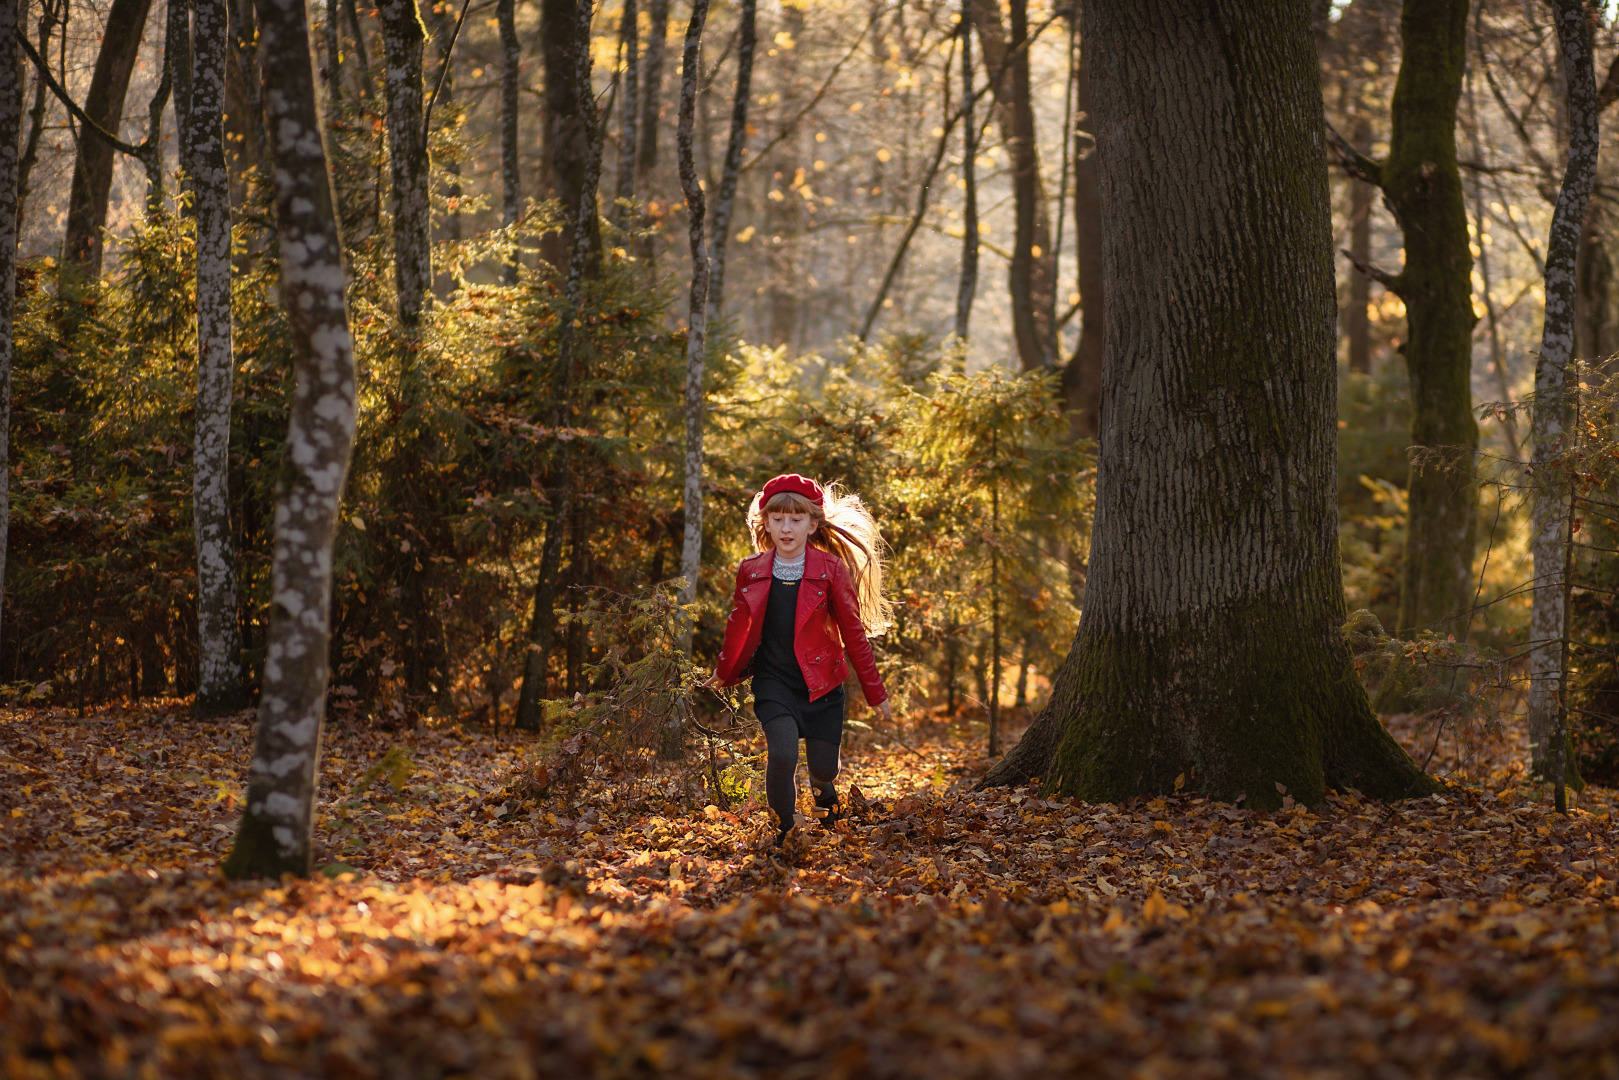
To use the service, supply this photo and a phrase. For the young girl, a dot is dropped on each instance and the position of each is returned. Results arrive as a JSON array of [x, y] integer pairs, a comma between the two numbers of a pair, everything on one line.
[[809, 597]]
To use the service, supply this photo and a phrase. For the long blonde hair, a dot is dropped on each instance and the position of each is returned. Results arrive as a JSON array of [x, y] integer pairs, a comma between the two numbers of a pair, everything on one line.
[[845, 528]]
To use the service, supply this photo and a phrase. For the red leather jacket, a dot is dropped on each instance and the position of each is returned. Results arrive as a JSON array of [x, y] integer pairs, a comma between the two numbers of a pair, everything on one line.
[[827, 627]]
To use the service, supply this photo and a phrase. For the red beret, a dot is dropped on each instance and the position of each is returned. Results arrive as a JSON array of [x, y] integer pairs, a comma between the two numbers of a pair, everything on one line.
[[798, 485]]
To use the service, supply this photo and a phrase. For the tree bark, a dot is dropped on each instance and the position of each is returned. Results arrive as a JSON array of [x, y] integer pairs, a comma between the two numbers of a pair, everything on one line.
[[691, 547], [511, 63], [542, 624], [11, 92], [629, 45], [967, 285], [725, 198], [646, 143], [93, 164], [1593, 298], [403, 38], [1033, 260], [48, 21], [177, 54], [1082, 376], [219, 636], [1357, 325], [276, 830], [1549, 420], [1209, 650], [566, 143]]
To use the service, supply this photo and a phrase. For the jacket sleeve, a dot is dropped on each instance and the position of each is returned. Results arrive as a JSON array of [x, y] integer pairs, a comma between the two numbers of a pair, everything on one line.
[[846, 609], [732, 664]]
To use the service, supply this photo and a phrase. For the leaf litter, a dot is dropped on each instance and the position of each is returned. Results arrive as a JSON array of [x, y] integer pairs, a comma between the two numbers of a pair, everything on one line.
[[937, 931]]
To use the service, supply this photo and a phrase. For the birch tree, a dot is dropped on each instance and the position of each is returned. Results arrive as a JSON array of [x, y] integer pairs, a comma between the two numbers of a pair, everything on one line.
[[725, 197], [691, 547], [1209, 654], [11, 80], [1549, 420], [403, 38], [219, 637], [275, 832]]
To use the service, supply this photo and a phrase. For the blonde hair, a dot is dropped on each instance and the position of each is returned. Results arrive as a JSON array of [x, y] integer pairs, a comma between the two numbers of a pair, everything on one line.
[[845, 528]]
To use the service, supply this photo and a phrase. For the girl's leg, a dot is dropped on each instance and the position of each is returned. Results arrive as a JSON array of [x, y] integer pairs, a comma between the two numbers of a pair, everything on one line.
[[822, 758], [781, 739]]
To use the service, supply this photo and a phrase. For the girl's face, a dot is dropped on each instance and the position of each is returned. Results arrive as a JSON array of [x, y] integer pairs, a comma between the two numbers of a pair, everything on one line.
[[789, 532]]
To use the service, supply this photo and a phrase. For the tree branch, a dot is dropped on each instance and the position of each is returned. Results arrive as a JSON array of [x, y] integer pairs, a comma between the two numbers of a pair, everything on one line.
[[1352, 161], [137, 152], [1389, 281]]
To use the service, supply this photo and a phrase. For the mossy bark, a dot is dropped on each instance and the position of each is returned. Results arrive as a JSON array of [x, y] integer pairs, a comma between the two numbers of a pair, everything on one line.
[[1424, 189], [1209, 655]]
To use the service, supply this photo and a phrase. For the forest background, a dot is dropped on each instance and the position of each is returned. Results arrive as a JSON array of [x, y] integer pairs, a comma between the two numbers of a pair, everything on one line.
[[911, 303]]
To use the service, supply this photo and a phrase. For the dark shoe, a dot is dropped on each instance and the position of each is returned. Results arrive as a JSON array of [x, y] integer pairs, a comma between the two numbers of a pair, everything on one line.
[[781, 836], [828, 808]]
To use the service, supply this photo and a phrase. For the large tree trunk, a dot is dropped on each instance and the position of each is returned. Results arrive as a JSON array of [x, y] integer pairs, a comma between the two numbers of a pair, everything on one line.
[[725, 198], [565, 141], [277, 822], [403, 37], [691, 548], [219, 636], [1209, 653], [11, 83], [1082, 376], [1549, 421], [511, 63], [1424, 189], [1033, 260], [92, 166]]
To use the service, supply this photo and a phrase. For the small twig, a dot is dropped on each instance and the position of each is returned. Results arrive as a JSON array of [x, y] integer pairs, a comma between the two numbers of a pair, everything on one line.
[[444, 69]]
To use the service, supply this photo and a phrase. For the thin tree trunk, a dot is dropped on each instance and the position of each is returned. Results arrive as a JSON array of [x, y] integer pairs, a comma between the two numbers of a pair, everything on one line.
[[277, 823], [629, 43], [1082, 375], [566, 143], [691, 547], [725, 199], [1549, 420], [331, 74], [246, 55], [1033, 260], [1357, 321], [511, 61], [995, 622], [403, 37], [1204, 653], [646, 143], [93, 164], [967, 287], [177, 54], [542, 624], [446, 28], [36, 115], [219, 636], [151, 157], [1594, 337], [1498, 363], [11, 91]]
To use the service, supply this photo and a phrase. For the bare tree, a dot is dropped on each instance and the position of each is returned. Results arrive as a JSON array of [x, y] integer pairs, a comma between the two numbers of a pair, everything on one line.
[[725, 198], [92, 165], [1549, 421], [278, 819]]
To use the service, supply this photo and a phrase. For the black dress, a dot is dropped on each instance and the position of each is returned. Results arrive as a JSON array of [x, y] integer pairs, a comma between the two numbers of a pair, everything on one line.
[[779, 689]]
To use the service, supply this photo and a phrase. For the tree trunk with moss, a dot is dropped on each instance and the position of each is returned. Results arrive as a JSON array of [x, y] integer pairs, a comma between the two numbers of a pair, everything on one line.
[[277, 823], [1209, 653], [1423, 188]]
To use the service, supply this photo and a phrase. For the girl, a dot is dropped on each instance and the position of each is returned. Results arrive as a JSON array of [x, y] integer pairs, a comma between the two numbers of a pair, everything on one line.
[[810, 596]]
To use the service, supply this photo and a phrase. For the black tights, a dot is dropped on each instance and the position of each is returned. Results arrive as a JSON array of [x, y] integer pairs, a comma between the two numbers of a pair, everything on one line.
[[781, 736]]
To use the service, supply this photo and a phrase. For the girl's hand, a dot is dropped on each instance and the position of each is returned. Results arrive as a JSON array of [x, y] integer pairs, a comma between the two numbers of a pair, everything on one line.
[[886, 711], [710, 682]]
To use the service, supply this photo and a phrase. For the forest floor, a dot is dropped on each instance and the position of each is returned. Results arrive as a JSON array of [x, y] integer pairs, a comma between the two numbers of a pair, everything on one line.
[[942, 933]]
